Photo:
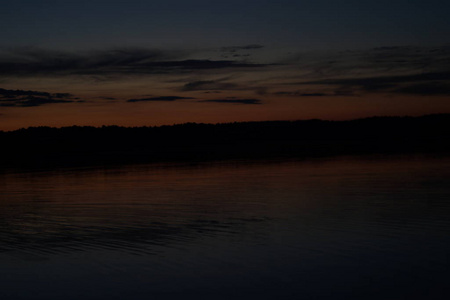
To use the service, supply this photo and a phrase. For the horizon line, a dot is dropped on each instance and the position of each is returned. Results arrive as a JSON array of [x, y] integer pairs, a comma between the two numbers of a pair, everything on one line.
[[227, 123]]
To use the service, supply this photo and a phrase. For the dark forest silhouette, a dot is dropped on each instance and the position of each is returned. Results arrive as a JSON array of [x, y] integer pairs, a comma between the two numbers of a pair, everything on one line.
[[76, 145]]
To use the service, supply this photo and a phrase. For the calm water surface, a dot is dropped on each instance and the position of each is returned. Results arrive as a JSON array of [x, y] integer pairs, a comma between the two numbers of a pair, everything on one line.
[[343, 228]]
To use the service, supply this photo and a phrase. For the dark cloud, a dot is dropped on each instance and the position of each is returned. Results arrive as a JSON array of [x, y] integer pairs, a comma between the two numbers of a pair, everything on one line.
[[418, 84], [395, 70], [314, 94], [205, 85], [194, 64], [383, 80], [24, 98], [300, 94], [426, 89], [15, 93], [162, 98], [423, 59], [370, 63], [30, 101], [107, 98], [237, 48], [218, 85], [33, 62], [234, 101]]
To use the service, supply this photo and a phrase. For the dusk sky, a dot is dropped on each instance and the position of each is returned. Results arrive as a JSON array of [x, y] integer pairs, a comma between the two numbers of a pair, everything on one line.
[[136, 63]]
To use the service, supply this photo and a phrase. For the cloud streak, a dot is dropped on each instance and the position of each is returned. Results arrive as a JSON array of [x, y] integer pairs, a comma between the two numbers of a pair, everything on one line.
[[233, 49], [209, 85], [37, 62], [425, 84], [426, 89], [388, 70], [392, 70], [300, 94], [24, 98], [162, 98], [234, 101]]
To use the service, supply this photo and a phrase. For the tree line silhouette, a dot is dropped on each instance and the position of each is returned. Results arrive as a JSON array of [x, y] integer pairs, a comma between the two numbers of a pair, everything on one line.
[[85, 145]]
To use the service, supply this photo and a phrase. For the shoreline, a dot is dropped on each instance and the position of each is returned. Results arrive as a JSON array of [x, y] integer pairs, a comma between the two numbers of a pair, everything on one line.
[[45, 147]]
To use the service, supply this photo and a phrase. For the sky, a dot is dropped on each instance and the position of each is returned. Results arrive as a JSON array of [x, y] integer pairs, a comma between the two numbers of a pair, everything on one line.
[[146, 63]]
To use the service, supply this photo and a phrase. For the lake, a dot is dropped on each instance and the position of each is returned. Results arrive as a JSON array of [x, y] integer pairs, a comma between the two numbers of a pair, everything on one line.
[[368, 227]]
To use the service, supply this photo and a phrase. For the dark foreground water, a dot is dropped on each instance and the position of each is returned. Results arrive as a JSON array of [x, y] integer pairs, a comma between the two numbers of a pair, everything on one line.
[[345, 228]]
